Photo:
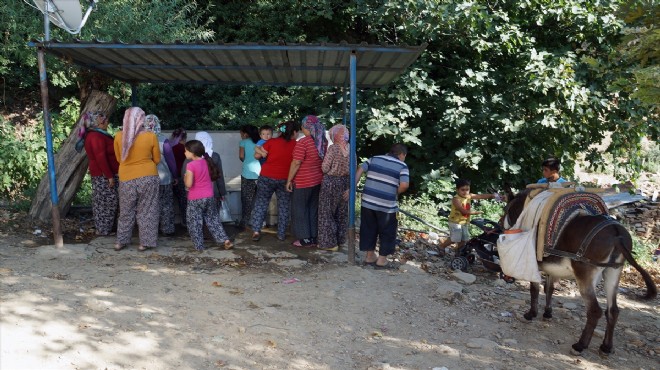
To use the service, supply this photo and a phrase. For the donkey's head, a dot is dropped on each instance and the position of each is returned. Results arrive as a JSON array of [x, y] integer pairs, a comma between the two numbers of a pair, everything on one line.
[[514, 206]]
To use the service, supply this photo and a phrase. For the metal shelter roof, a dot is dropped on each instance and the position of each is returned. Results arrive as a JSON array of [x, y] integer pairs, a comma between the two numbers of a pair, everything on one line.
[[261, 63]]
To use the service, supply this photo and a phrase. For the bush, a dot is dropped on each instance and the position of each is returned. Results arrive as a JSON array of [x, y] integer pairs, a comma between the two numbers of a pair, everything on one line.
[[23, 149]]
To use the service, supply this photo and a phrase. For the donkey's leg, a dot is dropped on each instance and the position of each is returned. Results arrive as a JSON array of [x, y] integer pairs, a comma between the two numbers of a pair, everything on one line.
[[549, 290], [586, 282], [534, 294], [611, 278]]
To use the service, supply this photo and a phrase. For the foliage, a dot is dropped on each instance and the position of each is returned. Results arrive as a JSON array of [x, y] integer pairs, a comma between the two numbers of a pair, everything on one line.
[[500, 86], [639, 47], [23, 149]]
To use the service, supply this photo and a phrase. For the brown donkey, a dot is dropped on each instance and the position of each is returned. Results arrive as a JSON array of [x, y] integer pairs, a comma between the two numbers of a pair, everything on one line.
[[589, 247]]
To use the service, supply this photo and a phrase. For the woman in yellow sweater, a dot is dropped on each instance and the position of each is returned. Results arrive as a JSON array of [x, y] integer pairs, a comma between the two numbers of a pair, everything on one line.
[[138, 153]]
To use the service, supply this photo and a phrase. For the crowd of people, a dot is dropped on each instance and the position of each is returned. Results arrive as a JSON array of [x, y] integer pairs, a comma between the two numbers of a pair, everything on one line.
[[140, 175]]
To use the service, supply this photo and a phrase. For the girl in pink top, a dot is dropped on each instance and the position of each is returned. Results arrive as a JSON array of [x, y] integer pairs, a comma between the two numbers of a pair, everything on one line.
[[199, 177]]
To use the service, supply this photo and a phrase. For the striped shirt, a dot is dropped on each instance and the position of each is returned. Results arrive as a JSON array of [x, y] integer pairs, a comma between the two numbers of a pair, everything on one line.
[[309, 174], [384, 174]]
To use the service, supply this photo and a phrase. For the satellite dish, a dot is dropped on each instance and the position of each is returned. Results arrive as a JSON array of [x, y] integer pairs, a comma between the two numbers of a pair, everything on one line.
[[65, 14]]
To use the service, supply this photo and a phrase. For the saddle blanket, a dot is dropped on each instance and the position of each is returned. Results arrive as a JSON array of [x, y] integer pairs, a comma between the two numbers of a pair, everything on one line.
[[549, 210]]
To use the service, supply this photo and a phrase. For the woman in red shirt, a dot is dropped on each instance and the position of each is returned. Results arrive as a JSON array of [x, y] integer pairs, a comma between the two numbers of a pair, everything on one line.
[[304, 180], [272, 179], [103, 168]]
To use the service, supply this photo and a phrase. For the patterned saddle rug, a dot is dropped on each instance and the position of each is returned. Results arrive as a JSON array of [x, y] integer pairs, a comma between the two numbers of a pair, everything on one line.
[[559, 210]]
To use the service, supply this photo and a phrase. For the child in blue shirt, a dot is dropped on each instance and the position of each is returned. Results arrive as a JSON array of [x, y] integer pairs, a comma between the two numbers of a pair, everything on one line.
[[265, 133]]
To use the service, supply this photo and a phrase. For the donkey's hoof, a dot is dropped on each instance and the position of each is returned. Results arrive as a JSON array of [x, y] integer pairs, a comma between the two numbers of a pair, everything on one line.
[[529, 316], [604, 352], [575, 350], [547, 316]]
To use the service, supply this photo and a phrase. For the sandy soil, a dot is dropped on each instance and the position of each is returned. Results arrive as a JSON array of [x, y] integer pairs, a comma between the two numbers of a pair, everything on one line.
[[267, 305]]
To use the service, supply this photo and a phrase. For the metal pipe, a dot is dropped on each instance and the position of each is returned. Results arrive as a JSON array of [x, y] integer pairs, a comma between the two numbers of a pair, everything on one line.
[[43, 80], [352, 161]]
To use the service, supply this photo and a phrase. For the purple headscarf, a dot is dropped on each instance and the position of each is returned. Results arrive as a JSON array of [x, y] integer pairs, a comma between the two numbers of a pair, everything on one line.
[[317, 132], [133, 125]]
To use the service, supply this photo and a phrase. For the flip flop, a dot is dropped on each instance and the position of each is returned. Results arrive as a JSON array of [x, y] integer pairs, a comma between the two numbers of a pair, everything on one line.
[[388, 266], [228, 245], [365, 263], [142, 248], [119, 247], [256, 237]]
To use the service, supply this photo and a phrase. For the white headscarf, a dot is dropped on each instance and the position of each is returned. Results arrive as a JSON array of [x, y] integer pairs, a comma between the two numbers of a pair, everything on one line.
[[206, 139]]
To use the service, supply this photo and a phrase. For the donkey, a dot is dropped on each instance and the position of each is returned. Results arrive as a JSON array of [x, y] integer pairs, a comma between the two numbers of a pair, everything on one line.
[[608, 245]]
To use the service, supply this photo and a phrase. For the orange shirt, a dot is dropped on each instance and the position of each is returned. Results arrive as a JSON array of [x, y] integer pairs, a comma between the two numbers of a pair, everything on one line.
[[142, 158]]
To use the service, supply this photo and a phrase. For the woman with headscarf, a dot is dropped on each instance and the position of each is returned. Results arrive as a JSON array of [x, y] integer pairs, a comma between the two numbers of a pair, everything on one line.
[[304, 180], [138, 154], [166, 173], [272, 179], [103, 168], [250, 171], [178, 140], [333, 208]]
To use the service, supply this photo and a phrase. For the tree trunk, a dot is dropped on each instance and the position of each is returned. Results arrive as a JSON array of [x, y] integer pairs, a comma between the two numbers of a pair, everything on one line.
[[70, 166]]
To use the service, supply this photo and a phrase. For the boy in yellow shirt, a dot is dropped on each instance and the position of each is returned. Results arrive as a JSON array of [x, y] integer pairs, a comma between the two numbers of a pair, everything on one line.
[[459, 217]]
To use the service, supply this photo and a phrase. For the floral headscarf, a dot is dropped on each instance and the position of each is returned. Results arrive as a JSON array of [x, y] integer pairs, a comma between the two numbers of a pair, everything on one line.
[[133, 125], [317, 132], [88, 120], [152, 123], [206, 139], [339, 136]]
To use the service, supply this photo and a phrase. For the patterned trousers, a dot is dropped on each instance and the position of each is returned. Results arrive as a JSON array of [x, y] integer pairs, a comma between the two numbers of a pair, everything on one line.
[[138, 199], [166, 202], [265, 189], [305, 212], [200, 211], [104, 204], [333, 211], [248, 193]]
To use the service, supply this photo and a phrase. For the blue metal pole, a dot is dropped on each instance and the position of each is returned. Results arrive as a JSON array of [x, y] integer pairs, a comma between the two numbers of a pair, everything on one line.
[[43, 80], [352, 159]]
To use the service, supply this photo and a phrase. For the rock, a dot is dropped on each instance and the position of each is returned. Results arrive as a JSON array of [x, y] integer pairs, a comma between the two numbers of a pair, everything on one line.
[[449, 351], [510, 342], [450, 291], [570, 306], [464, 277], [481, 343]]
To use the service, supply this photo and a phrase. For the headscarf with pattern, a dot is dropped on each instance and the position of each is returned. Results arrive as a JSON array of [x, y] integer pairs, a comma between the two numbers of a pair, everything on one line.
[[152, 123], [89, 121], [339, 136], [317, 132], [133, 125], [206, 139]]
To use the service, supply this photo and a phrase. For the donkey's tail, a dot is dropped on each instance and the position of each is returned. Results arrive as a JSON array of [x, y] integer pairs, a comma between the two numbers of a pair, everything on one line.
[[651, 289]]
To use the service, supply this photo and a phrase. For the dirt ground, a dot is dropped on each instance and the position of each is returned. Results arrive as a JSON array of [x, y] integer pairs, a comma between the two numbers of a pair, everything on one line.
[[267, 305]]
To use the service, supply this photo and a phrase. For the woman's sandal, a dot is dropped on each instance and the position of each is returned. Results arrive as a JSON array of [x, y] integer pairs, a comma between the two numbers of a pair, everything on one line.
[[142, 248], [119, 247], [256, 237], [228, 245]]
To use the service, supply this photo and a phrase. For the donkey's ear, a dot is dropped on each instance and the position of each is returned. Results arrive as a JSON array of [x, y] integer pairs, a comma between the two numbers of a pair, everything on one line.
[[508, 191]]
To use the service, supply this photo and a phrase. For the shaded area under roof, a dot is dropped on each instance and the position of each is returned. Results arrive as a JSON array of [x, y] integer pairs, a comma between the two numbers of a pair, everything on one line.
[[239, 64]]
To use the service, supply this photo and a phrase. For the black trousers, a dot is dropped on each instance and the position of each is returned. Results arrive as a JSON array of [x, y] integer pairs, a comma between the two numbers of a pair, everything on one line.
[[378, 225]]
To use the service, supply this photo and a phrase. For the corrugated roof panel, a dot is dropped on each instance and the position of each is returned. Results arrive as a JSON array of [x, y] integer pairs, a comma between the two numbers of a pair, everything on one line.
[[245, 63]]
